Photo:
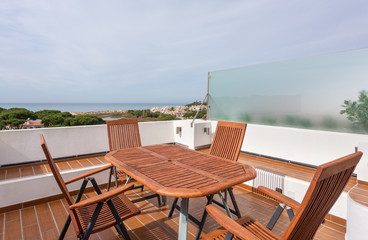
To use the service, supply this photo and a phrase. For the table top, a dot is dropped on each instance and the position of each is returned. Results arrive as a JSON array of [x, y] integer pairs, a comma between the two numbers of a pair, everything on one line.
[[176, 171]]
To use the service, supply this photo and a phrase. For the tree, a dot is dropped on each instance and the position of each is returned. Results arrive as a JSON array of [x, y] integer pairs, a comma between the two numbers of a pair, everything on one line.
[[2, 124], [87, 120], [166, 117], [195, 103], [53, 119], [357, 111], [136, 113], [17, 113], [66, 114], [43, 113], [15, 123], [201, 114]]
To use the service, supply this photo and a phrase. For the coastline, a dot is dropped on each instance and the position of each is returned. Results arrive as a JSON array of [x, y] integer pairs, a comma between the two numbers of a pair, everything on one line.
[[86, 107], [178, 111]]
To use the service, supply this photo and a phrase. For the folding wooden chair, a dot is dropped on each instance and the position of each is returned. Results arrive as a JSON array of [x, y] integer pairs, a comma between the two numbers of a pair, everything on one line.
[[123, 134], [327, 185], [96, 213], [226, 143]]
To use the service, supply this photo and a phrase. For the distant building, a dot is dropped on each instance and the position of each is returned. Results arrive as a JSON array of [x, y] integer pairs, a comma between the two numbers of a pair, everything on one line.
[[178, 111], [29, 124]]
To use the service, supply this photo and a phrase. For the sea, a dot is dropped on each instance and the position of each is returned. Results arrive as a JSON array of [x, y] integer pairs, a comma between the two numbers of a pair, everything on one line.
[[87, 107]]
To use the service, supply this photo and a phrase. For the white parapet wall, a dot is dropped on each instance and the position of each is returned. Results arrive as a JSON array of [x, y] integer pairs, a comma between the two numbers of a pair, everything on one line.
[[192, 136], [21, 146], [306, 146], [15, 191], [356, 221]]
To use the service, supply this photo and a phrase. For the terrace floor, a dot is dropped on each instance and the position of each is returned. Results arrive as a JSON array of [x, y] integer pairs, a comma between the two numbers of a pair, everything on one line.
[[45, 220]]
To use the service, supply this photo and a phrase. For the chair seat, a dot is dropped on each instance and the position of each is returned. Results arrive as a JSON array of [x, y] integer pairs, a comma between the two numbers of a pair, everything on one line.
[[123, 205], [250, 224]]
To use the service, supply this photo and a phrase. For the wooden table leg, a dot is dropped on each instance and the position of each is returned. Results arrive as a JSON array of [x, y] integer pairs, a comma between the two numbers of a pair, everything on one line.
[[183, 219]]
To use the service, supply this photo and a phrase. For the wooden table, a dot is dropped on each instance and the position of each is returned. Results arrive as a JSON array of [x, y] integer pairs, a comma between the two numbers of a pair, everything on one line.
[[175, 171]]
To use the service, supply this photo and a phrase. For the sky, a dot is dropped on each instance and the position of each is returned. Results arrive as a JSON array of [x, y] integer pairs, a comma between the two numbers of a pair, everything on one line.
[[119, 51]]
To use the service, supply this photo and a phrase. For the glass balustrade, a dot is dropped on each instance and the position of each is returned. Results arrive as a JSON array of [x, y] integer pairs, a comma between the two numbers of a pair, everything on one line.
[[303, 93]]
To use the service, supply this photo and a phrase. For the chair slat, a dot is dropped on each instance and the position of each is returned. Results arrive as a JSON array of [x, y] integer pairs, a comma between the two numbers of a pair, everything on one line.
[[228, 140], [123, 134]]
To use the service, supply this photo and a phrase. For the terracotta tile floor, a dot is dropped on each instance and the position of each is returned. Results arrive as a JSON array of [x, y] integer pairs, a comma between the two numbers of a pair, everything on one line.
[[45, 221]]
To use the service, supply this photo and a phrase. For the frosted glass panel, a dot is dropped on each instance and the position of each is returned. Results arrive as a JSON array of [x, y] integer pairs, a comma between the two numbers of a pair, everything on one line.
[[304, 93]]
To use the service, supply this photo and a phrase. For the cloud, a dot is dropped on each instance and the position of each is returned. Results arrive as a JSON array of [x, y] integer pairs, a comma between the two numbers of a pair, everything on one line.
[[139, 51]]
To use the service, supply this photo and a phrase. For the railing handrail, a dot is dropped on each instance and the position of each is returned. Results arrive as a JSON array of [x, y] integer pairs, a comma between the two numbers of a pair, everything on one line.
[[195, 116]]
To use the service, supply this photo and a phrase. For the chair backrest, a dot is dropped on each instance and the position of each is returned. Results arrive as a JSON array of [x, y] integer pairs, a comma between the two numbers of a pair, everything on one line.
[[327, 184], [55, 171], [123, 134], [228, 140]]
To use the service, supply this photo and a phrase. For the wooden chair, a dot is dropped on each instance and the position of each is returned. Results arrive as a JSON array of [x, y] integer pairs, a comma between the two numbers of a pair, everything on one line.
[[96, 213], [226, 144], [123, 134], [327, 184]]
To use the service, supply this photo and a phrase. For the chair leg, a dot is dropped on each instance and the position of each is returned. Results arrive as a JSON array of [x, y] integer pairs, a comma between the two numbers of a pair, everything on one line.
[[163, 200], [275, 216], [109, 182], [95, 185], [159, 200], [229, 236], [233, 200], [81, 190], [91, 224], [173, 207], [122, 231], [116, 177], [224, 203], [204, 216], [121, 228], [290, 212], [65, 228]]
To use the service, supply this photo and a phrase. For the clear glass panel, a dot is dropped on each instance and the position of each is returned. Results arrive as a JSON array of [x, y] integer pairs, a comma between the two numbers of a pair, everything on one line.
[[304, 93]]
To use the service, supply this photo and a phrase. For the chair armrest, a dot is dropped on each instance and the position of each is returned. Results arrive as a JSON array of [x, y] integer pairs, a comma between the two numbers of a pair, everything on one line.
[[102, 197], [229, 224], [88, 174], [280, 197]]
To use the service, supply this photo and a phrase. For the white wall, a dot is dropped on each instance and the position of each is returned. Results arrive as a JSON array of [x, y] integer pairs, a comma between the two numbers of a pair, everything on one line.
[[296, 189], [192, 137], [201, 138], [156, 132], [26, 189], [19, 146], [186, 137], [298, 145], [356, 221], [305, 146]]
